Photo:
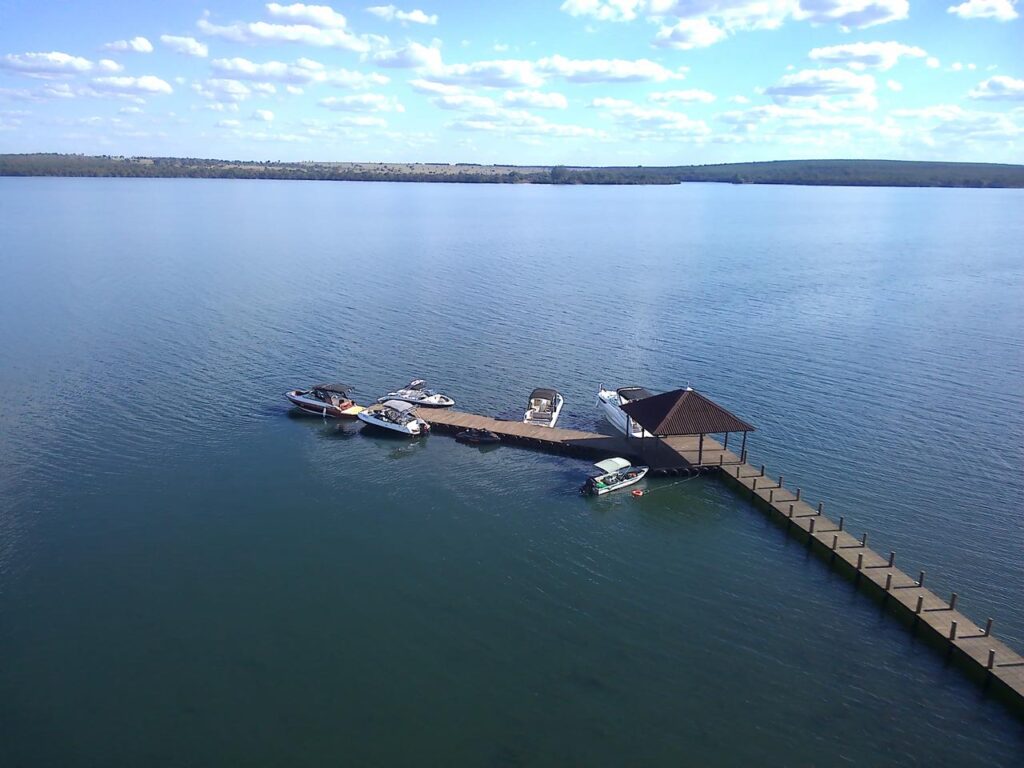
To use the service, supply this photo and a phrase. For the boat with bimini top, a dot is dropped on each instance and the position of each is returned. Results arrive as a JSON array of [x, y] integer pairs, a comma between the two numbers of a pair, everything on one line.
[[326, 400], [544, 407], [396, 416], [416, 392], [615, 474], [610, 402]]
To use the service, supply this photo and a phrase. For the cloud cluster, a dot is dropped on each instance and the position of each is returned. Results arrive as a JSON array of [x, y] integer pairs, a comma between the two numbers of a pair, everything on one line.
[[299, 72], [363, 102], [861, 56], [136, 44], [999, 88], [391, 13], [187, 46], [316, 25], [821, 86], [1000, 10]]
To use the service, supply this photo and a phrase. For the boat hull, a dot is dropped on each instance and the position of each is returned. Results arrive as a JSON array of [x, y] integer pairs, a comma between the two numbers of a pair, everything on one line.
[[414, 428], [640, 474], [608, 405], [436, 401], [315, 407], [556, 412]]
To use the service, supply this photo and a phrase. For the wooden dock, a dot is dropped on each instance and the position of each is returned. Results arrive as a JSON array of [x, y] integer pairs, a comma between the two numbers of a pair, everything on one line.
[[665, 456], [997, 666]]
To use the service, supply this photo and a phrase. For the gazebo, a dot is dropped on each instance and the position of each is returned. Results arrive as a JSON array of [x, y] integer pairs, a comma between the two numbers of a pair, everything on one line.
[[686, 412]]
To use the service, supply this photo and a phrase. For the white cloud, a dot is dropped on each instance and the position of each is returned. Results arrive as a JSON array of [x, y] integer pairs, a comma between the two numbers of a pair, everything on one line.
[[321, 16], [1000, 10], [820, 85], [136, 44], [257, 32], [607, 70], [853, 14], [222, 90], [933, 63], [130, 110], [652, 122], [109, 65], [893, 85], [391, 13], [188, 46], [999, 88], [363, 102], [299, 72], [411, 56], [860, 56], [52, 64], [510, 73], [521, 124], [132, 85], [953, 125], [667, 97], [228, 124], [739, 100], [604, 10], [687, 34], [263, 115], [535, 99]]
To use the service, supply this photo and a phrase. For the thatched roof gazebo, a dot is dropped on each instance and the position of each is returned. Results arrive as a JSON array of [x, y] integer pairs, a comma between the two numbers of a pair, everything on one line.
[[686, 412]]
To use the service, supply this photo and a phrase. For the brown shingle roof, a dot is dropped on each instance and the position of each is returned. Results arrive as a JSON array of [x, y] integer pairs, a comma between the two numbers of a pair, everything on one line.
[[683, 412]]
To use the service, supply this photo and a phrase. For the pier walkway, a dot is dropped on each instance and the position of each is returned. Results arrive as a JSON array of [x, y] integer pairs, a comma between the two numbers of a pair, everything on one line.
[[993, 663], [663, 455]]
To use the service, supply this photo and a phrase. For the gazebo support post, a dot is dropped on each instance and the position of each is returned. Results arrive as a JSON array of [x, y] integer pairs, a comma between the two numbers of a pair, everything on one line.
[[725, 445], [743, 448], [700, 450]]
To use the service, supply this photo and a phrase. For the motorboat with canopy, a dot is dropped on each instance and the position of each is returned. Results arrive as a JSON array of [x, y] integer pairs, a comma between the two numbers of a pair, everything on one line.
[[615, 474], [544, 407], [416, 392], [397, 416], [610, 402], [326, 400]]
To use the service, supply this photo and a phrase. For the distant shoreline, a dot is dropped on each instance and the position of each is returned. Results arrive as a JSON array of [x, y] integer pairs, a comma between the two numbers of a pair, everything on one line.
[[866, 173]]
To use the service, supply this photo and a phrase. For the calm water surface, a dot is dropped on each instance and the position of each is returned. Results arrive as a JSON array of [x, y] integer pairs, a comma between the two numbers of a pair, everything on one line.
[[192, 575]]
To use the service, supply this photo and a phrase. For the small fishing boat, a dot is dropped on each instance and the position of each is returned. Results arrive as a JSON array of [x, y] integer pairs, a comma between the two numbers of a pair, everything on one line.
[[543, 408], [326, 400], [477, 437], [615, 474], [416, 392], [395, 415], [610, 402]]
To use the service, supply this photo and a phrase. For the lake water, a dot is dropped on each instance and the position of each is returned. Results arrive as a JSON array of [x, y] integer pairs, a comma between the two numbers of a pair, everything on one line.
[[192, 575]]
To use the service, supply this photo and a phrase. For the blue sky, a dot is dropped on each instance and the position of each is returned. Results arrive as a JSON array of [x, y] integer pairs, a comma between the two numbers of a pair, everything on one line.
[[598, 82]]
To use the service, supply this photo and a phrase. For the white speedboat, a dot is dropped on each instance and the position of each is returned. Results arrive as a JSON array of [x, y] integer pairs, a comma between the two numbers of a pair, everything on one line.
[[610, 402], [416, 392], [615, 474], [544, 407], [326, 400], [397, 416]]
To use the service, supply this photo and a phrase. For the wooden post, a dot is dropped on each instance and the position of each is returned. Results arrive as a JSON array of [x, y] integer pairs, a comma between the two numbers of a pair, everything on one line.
[[700, 450], [762, 470], [790, 510], [821, 507], [920, 602], [811, 527], [780, 481], [754, 487], [860, 561], [798, 494], [888, 582], [952, 602], [840, 522], [743, 448], [835, 543], [771, 496], [991, 658], [892, 558], [725, 445], [920, 579], [988, 627], [952, 630], [864, 540]]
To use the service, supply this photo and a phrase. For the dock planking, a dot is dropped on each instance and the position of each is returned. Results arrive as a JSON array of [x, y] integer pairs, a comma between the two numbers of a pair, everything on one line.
[[989, 660], [663, 456]]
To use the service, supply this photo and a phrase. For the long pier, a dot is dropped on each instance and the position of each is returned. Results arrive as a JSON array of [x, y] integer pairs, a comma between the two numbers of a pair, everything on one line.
[[986, 659]]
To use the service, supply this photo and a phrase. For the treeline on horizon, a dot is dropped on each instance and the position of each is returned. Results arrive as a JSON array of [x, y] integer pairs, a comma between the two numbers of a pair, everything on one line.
[[877, 173]]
